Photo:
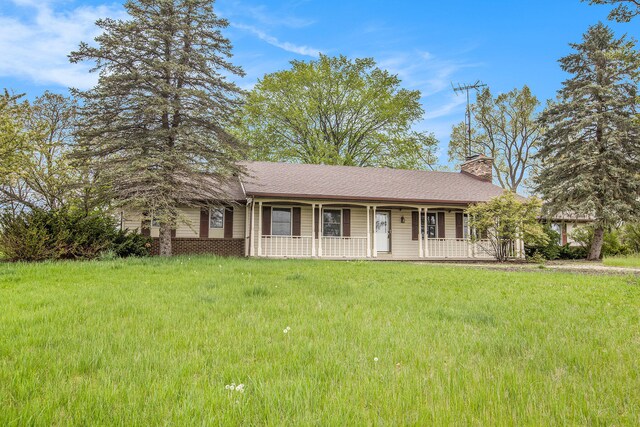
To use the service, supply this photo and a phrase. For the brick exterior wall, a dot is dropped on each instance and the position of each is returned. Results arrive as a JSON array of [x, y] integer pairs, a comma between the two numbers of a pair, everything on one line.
[[192, 246], [479, 166]]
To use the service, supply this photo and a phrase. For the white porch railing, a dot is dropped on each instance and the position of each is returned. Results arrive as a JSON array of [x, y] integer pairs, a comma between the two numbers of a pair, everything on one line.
[[449, 248], [458, 248], [486, 250], [286, 246], [344, 247], [356, 247]]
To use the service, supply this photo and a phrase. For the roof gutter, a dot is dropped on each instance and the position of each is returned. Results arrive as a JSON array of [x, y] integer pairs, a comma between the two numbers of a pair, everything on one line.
[[361, 198]]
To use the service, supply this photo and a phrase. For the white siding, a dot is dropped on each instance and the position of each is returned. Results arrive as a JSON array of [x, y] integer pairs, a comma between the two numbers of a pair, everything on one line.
[[239, 217], [449, 225], [189, 224], [131, 221], [401, 244]]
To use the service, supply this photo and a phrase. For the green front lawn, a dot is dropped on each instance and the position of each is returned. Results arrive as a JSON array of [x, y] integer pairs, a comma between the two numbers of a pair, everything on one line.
[[623, 261], [152, 341]]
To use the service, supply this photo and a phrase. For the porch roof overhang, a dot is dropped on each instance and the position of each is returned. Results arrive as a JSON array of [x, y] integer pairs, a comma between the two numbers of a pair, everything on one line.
[[358, 199]]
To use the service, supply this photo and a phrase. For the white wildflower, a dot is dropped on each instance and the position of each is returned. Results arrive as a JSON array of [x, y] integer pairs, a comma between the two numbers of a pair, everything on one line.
[[375, 359]]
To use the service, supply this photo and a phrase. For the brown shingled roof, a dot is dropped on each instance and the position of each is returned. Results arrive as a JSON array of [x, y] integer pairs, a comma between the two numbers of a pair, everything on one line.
[[364, 183]]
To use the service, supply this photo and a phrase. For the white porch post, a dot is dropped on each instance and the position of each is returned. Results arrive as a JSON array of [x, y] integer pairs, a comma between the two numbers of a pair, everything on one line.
[[470, 251], [474, 246], [320, 230], [313, 229], [260, 229], [368, 231], [420, 243], [252, 231], [426, 234], [247, 229], [374, 248]]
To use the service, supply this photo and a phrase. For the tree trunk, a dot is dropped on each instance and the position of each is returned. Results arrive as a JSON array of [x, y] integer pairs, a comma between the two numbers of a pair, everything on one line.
[[595, 253], [165, 239]]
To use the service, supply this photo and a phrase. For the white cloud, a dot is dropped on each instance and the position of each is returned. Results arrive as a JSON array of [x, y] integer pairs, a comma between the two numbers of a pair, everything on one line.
[[263, 15], [289, 47], [423, 70], [36, 48], [453, 105]]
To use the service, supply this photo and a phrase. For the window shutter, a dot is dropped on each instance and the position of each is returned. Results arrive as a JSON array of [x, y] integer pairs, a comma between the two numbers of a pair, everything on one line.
[[204, 223], [266, 220], [145, 228], [173, 233], [564, 233], [415, 225], [440, 225], [459, 225], [316, 220], [346, 222], [296, 226], [228, 223]]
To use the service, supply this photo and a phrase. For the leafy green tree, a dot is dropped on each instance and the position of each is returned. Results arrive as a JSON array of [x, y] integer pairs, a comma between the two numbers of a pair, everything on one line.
[[336, 111], [154, 129], [505, 220], [40, 174], [504, 127], [590, 152], [624, 11], [13, 136]]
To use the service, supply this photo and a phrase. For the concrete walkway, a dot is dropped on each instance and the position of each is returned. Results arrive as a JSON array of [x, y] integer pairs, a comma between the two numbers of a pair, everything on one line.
[[565, 266]]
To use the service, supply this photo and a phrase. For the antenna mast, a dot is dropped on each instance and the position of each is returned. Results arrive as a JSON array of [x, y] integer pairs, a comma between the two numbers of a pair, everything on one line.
[[466, 88]]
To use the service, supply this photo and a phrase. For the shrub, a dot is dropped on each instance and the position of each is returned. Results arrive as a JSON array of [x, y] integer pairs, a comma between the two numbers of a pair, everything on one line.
[[38, 235], [572, 252], [548, 249], [505, 220], [631, 237], [552, 250], [26, 237], [613, 243], [126, 244]]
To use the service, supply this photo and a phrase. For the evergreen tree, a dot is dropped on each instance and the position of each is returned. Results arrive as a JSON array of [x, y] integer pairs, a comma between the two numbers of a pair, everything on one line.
[[590, 153], [154, 127], [624, 10]]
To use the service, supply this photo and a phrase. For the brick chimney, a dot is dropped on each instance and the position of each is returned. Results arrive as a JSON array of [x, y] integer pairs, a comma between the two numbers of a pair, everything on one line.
[[479, 166]]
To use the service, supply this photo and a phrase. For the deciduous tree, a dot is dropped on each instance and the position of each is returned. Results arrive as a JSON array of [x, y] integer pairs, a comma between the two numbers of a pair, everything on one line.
[[155, 126], [505, 220], [37, 171], [590, 153], [338, 111], [13, 137], [505, 128]]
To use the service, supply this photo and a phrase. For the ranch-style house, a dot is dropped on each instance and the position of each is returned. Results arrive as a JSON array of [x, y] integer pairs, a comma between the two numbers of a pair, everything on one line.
[[343, 212]]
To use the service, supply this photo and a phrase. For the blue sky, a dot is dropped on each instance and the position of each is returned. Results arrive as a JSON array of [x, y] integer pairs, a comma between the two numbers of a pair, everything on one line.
[[429, 43]]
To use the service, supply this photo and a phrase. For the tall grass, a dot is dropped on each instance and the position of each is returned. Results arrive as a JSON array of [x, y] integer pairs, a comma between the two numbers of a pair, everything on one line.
[[153, 341]]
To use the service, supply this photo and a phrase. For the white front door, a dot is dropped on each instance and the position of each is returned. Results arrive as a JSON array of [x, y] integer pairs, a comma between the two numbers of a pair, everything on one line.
[[383, 231]]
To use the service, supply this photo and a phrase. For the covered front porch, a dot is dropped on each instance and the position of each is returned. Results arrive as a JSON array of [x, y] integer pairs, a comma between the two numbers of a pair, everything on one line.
[[359, 230]]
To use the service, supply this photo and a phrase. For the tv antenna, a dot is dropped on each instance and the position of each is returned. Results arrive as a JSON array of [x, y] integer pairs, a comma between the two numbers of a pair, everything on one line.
[[467, 118]]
